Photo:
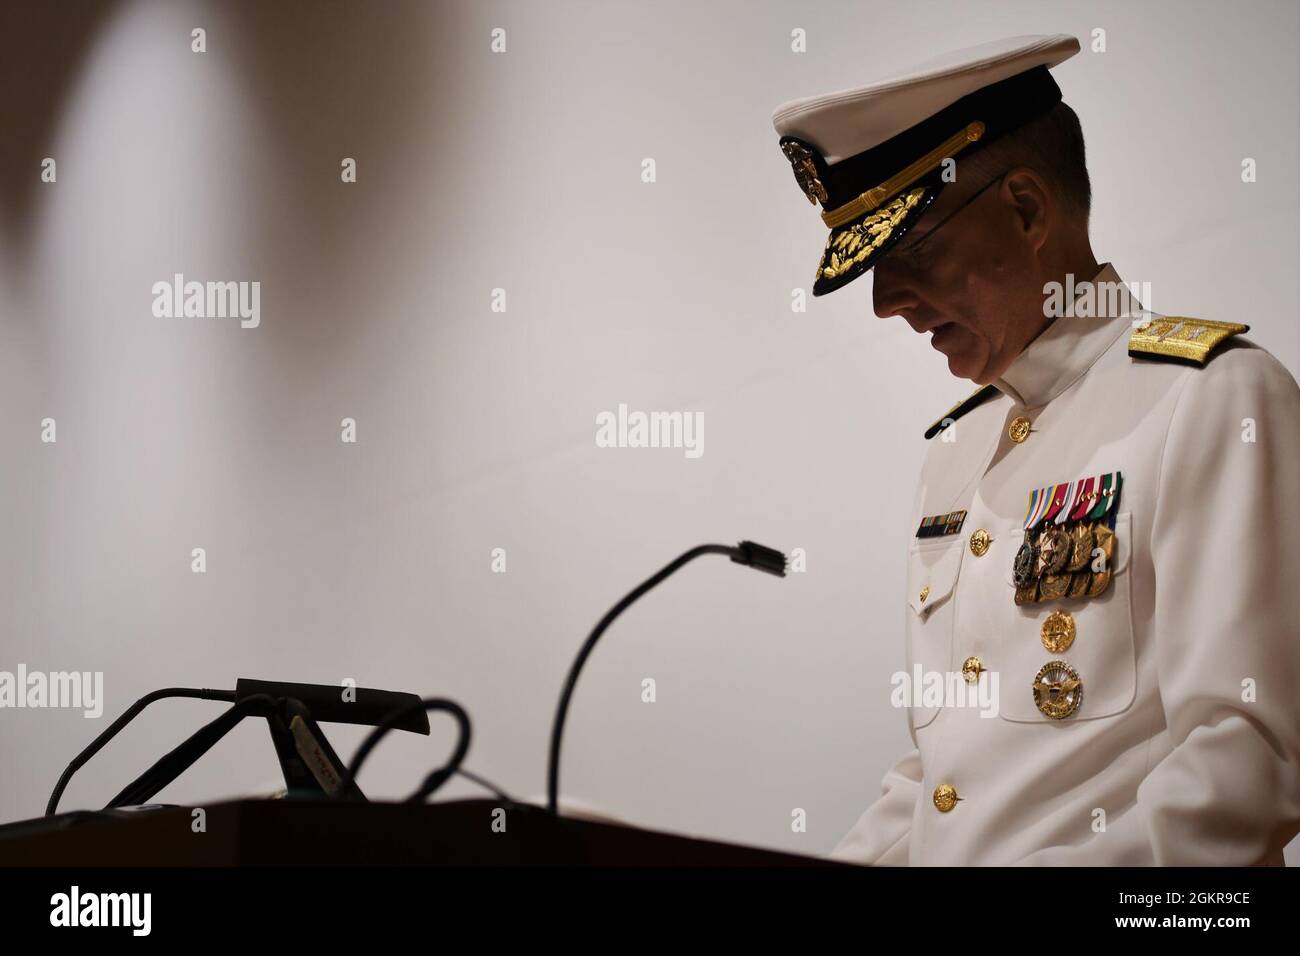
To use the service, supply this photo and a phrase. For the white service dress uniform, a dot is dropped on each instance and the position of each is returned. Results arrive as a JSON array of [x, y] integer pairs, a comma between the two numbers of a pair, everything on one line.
[[1184, 749], [1106, 536]]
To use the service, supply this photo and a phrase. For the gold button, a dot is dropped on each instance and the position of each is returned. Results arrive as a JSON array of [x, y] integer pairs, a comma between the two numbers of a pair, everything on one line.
[[1018, 430], [945, 797], [925, 593], [1058, 631], [979, 543], [971, 668]]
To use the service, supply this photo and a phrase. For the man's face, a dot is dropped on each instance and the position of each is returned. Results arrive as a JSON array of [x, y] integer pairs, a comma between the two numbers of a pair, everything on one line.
[[974, 285]]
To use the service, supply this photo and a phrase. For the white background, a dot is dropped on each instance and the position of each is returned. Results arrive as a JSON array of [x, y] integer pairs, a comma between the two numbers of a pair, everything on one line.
[[476, 429]]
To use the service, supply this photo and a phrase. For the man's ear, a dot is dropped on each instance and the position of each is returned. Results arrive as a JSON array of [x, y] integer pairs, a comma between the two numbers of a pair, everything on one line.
[[1031, 200]]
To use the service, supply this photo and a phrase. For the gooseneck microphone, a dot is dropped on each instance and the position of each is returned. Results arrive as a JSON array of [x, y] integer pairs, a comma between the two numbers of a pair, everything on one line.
[[747, 553]]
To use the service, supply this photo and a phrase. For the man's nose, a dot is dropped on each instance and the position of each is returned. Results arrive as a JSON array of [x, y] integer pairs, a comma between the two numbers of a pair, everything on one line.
[[890, 292]]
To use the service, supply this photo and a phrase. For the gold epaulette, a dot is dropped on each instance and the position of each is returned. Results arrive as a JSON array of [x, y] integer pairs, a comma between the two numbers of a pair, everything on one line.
[[979, 397], [1175, 338]]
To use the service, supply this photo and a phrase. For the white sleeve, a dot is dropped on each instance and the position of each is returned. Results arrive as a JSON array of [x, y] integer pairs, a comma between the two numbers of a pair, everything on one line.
[[881, 835]]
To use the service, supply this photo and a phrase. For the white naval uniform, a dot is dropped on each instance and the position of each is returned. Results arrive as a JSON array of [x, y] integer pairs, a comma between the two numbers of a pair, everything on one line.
[[1205, 595]]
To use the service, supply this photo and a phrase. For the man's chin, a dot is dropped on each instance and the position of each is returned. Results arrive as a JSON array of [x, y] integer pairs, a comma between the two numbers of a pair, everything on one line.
[[965, 365], [964, 352]]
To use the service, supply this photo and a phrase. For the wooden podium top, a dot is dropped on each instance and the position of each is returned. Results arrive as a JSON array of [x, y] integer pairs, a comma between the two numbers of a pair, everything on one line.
[[324, 833]]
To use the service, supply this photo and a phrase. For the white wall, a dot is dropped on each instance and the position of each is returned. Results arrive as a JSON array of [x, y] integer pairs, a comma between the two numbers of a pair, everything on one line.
[[372, 561]]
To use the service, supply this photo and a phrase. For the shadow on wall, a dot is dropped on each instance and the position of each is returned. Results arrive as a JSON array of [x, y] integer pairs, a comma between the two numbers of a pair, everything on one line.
[[44, 45], [319, 83]]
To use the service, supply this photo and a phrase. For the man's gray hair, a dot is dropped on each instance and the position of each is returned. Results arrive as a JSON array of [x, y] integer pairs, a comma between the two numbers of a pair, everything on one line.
[[1052, 145]]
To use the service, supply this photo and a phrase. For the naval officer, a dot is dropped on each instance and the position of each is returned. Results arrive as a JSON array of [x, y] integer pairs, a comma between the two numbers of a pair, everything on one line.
[[1106, 525]]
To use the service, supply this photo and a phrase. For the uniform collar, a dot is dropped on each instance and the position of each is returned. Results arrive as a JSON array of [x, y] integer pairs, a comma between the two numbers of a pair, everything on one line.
[[1067, 348]]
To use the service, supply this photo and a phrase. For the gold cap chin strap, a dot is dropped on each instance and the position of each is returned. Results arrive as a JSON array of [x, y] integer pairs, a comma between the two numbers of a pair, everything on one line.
[[873, 197]]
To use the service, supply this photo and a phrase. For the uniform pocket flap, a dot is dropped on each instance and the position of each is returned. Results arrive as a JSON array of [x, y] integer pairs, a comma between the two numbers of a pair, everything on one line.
[[932, 574]]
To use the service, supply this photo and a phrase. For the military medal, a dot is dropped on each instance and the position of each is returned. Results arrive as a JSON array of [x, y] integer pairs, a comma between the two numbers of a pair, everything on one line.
[[1054, 543], [1079, 584], [1053, 587], [1053, 551], [1106, 544], [1023, 570], [1058, 690], [1103, 515], [1080, 547], [1067, 528]]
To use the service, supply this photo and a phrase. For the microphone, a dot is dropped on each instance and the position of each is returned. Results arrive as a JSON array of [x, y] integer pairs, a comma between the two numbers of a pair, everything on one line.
[[747, 553], [326, 704], [306, 758]]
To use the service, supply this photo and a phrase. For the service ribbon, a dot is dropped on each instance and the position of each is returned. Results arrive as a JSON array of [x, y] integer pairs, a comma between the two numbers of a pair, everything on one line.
[[1057, 502], [1039, 501], [1083, 503], [1067, 502]]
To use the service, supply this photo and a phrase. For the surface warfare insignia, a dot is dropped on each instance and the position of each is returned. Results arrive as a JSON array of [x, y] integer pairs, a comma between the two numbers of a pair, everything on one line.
[[805, 170], [1069, 540], [937, 526]]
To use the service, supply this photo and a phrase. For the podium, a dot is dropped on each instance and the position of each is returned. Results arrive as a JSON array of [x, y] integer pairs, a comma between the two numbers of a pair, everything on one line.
[[336, 833]]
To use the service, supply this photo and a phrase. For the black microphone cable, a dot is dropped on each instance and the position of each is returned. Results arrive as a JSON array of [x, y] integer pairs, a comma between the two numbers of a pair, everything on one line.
[[438, 777], [487, 784], [116, 727], [181, 757], [747, 553]]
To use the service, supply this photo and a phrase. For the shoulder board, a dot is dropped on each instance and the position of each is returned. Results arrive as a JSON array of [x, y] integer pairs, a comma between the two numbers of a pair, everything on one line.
[[961, 408], [1175, 338]]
